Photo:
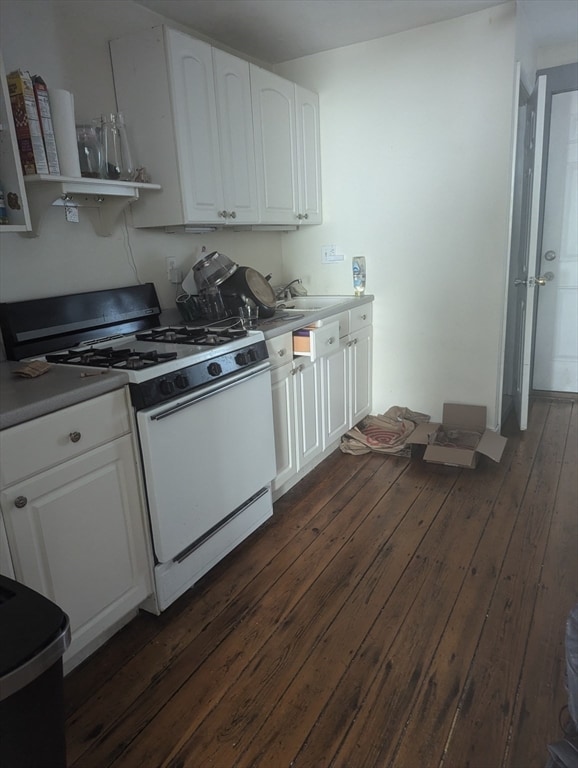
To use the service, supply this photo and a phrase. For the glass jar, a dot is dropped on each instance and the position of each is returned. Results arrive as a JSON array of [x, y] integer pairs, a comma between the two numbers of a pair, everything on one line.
[[117, 162], [90, 151]]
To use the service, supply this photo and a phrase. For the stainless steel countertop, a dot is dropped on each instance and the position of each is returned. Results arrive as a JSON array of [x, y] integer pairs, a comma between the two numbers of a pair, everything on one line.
[[23, 399]]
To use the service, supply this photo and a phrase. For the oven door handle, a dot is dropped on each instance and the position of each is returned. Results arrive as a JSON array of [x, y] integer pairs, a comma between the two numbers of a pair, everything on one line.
[[213, 390]]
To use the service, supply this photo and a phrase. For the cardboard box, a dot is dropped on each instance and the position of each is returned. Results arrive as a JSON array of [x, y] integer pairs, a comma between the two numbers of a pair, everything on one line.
[[45, 115], [460, 439], [27, 123]]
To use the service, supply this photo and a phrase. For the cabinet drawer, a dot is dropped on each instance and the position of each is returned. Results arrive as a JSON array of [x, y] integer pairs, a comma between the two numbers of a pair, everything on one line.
[[44, 442], [280, 349], [360, 317], [343, 320], [316, 342]]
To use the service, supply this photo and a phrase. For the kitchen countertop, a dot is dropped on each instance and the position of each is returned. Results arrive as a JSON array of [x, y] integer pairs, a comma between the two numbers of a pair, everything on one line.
[[280, 323], [23, 399]]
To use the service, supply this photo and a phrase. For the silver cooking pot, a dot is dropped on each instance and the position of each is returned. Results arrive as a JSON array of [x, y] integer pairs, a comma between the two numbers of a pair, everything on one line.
[[246, 284], [212, 270]]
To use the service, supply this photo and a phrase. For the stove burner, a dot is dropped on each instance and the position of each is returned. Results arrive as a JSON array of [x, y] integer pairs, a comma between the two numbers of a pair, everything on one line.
[[212, 337], [110, 357]]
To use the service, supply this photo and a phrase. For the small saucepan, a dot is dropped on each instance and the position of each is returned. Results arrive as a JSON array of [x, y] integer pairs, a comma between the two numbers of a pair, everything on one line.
[[249, 285]]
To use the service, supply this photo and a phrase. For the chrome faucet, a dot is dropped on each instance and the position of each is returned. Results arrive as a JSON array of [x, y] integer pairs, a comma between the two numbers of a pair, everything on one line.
[[285, 293]]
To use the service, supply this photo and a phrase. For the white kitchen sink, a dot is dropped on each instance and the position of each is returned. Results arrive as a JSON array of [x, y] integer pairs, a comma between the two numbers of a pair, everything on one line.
[[312, 303]]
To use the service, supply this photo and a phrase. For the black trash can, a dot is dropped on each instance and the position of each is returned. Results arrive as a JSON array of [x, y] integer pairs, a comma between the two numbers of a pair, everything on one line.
[[33, 637]]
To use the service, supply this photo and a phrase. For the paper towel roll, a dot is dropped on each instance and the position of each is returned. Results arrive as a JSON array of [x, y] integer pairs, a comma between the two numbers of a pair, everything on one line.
[[63, 122]]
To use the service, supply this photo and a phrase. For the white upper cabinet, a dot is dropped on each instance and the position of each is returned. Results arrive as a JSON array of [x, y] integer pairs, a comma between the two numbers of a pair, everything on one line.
[[308, 156], [165, 88], [286, 124], [235, 119], [228, 142], [275, 146]]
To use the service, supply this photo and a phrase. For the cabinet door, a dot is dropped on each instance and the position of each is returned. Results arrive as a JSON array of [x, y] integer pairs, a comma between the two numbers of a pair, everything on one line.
[[77, 536], [275, 146], [308, 156], [308, 411], [195, 110], [282, 380], [237, 147], [6, 567], [335, 388], [10, 167], [360, 367]]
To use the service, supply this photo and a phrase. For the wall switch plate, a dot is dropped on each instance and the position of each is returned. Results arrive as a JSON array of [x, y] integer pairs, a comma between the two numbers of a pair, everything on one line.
[[330, 254]]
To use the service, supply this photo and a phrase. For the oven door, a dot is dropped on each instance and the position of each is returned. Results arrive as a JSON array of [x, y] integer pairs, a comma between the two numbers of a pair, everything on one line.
[[204, 456]]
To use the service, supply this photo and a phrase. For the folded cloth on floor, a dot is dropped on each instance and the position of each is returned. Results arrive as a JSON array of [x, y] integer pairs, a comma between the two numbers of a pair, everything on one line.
[[385, 433]]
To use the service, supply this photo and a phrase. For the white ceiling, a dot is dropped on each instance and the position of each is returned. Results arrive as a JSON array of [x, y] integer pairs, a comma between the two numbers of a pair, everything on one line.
[[274, 31]]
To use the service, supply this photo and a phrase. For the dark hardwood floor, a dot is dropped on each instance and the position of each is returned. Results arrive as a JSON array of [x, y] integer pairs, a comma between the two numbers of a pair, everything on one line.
[[392, 613]]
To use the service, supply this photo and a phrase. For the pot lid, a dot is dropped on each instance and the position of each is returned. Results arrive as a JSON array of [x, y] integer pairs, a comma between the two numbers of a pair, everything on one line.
[[260, 288]]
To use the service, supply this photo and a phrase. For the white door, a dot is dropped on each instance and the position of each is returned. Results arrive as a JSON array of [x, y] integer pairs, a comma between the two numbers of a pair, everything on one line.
[[556, 345], [527, 253]]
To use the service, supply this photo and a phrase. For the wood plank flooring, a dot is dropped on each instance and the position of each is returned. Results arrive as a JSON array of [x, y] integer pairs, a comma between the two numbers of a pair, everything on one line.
[[392, 613]]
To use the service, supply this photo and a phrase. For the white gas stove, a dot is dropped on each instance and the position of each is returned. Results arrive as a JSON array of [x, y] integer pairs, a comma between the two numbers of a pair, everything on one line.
[[203, 409]]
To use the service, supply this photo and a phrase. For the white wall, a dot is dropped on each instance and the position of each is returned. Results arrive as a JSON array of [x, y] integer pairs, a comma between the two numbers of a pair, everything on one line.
[[416, 137], [67, 43]]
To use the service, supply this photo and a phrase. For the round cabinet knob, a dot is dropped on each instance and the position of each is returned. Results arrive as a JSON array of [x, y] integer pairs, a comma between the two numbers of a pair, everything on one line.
[[74, 437], [233, 214], [20, 502], [282, 352], [222, 214], [166, 387], [181, 381], [214, 369]]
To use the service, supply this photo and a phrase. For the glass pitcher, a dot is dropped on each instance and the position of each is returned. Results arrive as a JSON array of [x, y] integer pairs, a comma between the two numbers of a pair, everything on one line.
[[118, 162]]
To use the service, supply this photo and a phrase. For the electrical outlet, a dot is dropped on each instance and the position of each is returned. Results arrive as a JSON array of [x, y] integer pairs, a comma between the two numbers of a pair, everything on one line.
[[174, 274], [71, 213]]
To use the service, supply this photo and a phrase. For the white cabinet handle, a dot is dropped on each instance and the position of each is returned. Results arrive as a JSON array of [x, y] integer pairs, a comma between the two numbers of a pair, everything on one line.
[[75, 437], [364, 317]]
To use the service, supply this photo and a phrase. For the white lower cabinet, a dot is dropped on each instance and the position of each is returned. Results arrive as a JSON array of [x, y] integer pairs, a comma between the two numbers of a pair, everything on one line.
[[321, 393], [359, 345], [76, 529], [297, 417], [308, 410], [336, 390]]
